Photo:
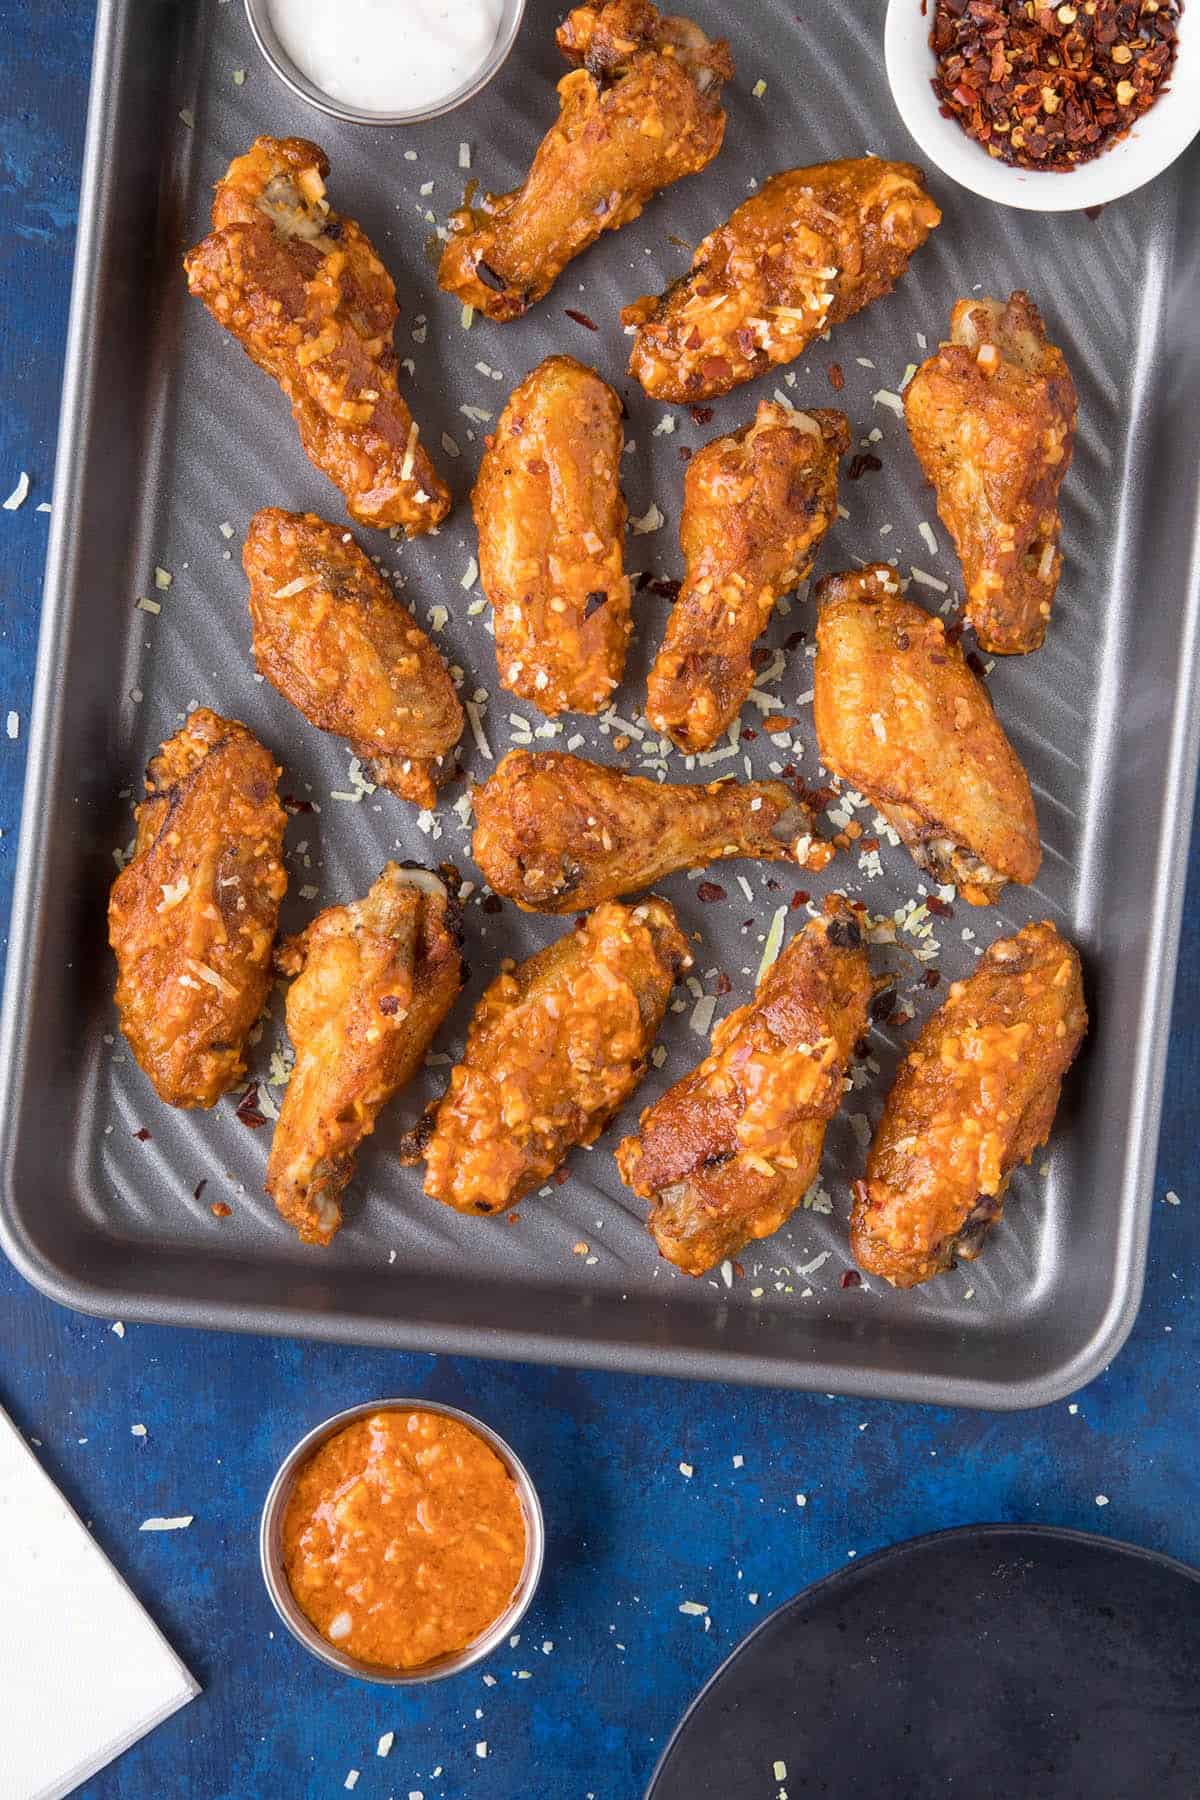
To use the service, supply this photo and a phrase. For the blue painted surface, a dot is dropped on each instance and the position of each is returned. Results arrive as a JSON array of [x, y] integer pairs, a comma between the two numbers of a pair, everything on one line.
[[611, 1660]]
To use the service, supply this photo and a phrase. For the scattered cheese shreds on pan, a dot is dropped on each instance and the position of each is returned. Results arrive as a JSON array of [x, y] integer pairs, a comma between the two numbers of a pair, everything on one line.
[[651, 520], [13, 724], [470, 575], [930, 581], [927, 532], [137, 1430], [179, 1523], [885, 397], [19, 494], [475, 720], [383, 1747], [774, 941], [162, 577], [467, 317], [464, 156], [351, 1780], [239, 76], [188, 117], [759, 88], [117, 1328]]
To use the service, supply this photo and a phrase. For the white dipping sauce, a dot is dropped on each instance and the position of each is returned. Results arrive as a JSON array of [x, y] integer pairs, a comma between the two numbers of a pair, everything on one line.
[[387, 55]]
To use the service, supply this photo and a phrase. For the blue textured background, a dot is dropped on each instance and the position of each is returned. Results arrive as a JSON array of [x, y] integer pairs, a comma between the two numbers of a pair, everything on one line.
[[611, 1660]]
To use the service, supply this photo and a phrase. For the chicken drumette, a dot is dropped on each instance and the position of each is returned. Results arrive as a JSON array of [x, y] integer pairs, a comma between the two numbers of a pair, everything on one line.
[[641, 108], [808, 249], [557, 834], [730, 1151], [556, 1047], [304, 293], [992, 419], [373, 981], [756, 505], [192, 916], [551, 517], [332, 637], [901, 717], [975, 1097]]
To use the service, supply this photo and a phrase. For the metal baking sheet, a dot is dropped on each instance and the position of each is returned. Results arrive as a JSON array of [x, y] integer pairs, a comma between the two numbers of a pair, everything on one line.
[[170, 440]]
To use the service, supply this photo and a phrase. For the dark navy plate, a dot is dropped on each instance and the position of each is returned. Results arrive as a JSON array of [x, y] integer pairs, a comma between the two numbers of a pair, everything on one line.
[[996, 1662]]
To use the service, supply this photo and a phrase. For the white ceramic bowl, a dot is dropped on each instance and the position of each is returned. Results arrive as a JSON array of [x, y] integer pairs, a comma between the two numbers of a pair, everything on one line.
[[1153, 144]]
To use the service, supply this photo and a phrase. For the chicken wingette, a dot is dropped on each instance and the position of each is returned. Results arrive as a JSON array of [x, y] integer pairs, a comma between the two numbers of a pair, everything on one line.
[[900, 715], [992, 416], [728, 1154], [373, 980], [332, 637], [756, 505], [557, 1045], [192, 916], [975, 1097], [556, 833], [810, 248], [640, 109], [303, 291], [551, 520]]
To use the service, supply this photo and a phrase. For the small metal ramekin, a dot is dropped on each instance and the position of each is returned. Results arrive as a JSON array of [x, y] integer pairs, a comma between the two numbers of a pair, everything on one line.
[[270, 1549], [258, 12]]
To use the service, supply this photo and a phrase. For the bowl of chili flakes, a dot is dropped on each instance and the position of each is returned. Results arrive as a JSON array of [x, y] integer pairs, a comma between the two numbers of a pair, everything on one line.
[[1048, 108]]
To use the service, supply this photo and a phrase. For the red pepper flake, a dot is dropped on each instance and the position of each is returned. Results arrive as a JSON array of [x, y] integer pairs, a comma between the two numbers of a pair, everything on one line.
[[142, 1135], [761, 658], [665, 588], [290, 804], [685, 454], [837, 380], [799, 898], [247, 1108], [560, 1175], [851, 1278], [220, 1209], [199, 1188], [581, 318], [708, 891], [941, 909], [724, 985], [931, 977], [492, 903], [1051, 86], [869, 843], [860, 463], [749, 735], [701, 414]]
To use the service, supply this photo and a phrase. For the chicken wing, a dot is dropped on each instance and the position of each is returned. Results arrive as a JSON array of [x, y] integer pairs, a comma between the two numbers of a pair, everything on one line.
[[331, 636], [975, 1096], [728, 1153], [900, 716], [756, 505], [304, 293], [192, 916], [810, 248], [373, 981], [640, 109], [556, 1047], [991, 416], [551, 517], [558, 834]]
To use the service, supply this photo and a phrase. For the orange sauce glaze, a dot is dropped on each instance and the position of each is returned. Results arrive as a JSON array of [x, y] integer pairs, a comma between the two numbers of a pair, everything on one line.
[[404, 1538]]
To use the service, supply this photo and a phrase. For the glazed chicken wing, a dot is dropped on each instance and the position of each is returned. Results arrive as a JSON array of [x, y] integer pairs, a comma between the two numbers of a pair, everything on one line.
[[331, 636], [551, 517], [992, 420], [192, 916], [373, 981], [975, 1097], [640, 109], [556, 833], [556, 1047], [304, 293], [730, 1151], [901, 717], [808, 249], [756, 505]]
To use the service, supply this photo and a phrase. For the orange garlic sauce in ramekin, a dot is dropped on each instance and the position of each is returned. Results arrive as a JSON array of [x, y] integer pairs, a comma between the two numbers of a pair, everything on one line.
[[404, 1538]]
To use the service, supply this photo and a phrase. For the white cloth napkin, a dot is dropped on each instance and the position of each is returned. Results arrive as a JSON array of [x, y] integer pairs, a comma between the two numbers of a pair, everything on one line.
[[84, 1672]]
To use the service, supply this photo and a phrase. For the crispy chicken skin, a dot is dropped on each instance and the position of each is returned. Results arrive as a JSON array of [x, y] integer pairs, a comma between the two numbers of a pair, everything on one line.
[[373, 981], [556, 1047], [991, 416], [901, 717], [304, 293], [640, 109], [192, 916], [331, 636], [810, 248], [756, 505], [551, 518], [557, 834], [730, 1151], [975, 1097]]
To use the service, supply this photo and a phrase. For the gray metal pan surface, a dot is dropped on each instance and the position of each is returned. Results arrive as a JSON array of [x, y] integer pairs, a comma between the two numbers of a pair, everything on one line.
[[171, 440]]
